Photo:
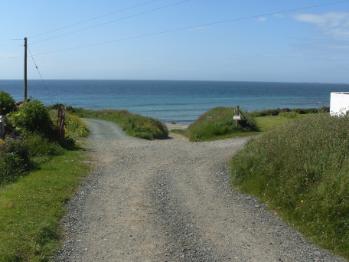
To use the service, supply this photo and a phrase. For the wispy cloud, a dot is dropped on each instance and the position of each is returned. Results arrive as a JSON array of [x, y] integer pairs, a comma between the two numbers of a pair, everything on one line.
[[335, 24], [262, 19]]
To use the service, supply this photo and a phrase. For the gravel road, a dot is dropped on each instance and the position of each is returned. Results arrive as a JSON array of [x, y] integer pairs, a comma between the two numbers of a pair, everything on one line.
[[170, 200]]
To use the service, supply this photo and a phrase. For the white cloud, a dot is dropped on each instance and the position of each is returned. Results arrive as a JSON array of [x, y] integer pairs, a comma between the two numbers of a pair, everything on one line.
[[333, 23]]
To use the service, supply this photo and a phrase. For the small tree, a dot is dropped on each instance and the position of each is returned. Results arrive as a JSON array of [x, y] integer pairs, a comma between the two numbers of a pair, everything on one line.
[[7, 103]]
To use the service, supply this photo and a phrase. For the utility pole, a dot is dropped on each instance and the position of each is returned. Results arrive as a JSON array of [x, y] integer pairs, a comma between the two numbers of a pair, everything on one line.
[[25, 68]]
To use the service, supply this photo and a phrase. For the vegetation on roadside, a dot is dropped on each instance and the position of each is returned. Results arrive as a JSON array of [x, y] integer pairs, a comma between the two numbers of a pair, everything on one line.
[[301, 169], [218, 123], [133, 124], [31, 208], [38, 173]]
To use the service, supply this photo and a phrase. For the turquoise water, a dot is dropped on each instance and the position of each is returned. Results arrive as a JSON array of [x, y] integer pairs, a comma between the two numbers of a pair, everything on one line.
[[180, 101]]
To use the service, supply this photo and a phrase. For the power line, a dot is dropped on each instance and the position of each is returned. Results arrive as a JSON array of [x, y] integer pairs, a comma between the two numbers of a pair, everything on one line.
[[35, 64], [186, 28], [94, 18], [116, 20]]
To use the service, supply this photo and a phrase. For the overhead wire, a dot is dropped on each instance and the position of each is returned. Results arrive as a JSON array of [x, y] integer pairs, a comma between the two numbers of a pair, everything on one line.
[[35, 64], [192, 27], [114, 20], [57, 29]]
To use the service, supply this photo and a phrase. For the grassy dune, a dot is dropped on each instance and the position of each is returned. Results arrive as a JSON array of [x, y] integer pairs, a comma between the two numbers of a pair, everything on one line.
[[218, 123], [301, 169], [133, 124]]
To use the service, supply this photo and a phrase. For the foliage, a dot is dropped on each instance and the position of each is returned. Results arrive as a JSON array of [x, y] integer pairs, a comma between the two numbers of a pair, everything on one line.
[[7, 103], [32, 117], [301, 169], [31, 208], [132, 124], [14, 160], [219, 122]]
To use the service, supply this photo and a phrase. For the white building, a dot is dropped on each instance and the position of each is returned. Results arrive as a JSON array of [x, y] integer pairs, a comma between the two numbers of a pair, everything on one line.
[[339, 103]]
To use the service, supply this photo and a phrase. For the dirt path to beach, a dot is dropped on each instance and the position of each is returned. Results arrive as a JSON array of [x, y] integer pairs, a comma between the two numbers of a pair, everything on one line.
[[171, 200]]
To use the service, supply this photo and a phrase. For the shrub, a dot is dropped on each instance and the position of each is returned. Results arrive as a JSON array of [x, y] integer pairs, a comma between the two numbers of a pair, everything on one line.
[[219, 122], [32, 117], [302, 170], [7, 103], [14, 160]]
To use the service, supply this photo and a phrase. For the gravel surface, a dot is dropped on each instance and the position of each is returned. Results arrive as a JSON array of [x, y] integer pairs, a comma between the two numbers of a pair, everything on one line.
[[170, 200]]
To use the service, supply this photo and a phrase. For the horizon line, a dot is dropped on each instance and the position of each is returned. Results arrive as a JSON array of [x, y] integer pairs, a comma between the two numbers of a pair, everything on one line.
[[177, 80]]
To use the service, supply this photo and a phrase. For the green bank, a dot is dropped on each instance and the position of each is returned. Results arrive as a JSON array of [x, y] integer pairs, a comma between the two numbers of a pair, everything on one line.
[[39, 172], [301, 170]]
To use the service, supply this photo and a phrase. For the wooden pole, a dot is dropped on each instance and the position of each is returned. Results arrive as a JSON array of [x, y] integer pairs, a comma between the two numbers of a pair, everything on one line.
[[25, 68]]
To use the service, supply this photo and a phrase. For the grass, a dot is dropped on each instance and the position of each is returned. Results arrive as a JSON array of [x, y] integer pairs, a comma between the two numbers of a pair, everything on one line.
[[218, 123], [31, 208], [266, 123], [301, 170], [133, 124]]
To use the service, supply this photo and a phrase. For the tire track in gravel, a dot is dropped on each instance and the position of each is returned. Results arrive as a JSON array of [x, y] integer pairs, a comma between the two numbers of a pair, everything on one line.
[[171, 200]]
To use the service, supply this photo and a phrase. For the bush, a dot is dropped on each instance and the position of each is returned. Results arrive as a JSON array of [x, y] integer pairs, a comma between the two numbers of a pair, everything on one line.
[[32, 117], [219, 122], [302, 170], [7, 103], [14, 160]]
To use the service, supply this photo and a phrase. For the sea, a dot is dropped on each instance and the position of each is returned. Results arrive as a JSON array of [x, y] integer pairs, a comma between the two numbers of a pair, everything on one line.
[[175, 101]]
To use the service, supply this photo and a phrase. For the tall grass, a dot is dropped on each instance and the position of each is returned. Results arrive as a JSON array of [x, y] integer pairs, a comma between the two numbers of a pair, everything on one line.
[[301, 169]]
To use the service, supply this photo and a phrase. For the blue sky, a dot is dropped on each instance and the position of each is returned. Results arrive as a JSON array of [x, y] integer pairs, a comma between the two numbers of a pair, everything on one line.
[[124, 39]]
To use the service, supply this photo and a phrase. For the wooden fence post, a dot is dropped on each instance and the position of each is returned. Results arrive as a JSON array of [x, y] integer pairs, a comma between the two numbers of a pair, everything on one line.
[[2, 127]]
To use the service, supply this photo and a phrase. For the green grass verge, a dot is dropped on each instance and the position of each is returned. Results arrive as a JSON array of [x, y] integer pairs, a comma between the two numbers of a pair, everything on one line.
[[31, 208], [133, 124], [301, 170]]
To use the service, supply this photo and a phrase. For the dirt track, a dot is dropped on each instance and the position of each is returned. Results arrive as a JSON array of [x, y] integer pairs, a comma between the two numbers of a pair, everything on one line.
[[171, 200]]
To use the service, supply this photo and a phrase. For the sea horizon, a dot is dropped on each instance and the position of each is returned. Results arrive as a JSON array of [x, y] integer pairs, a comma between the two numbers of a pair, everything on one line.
[[179, 101]]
